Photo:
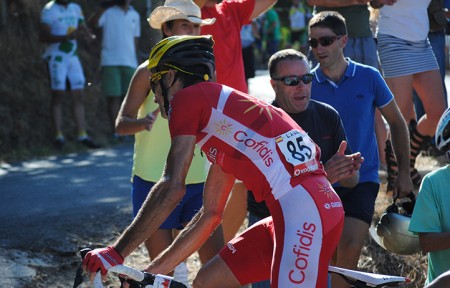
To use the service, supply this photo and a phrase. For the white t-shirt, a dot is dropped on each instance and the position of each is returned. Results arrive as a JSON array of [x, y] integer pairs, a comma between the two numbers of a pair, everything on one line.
[[62, 21], [406, 19], [120, 28]]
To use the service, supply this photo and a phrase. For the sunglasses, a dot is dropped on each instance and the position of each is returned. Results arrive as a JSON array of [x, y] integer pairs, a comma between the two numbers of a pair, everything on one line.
[[156, 77], [294, 80], [324, 41]]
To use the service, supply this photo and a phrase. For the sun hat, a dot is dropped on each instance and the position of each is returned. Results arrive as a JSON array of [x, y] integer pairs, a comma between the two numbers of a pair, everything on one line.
[[178, 9]]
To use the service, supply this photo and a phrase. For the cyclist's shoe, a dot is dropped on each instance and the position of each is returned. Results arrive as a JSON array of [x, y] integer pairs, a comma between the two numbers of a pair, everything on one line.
[[89, 143]]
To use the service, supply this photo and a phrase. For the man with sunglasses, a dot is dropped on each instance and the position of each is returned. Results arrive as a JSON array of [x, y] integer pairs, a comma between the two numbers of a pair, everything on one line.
[[291, 80], [361, 47], [356, 91]]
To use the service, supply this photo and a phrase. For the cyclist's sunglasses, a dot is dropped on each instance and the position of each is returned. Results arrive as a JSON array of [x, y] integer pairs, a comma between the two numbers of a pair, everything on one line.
[[324, 41], [156, 77], [294, 80]]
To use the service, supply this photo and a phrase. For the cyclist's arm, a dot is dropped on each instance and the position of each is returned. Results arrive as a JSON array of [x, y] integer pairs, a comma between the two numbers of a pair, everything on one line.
[[217, 189], [127, 122], [163, 197]]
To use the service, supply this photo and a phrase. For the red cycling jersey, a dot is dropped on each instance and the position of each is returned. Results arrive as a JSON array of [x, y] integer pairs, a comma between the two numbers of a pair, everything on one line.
[[262, 146]]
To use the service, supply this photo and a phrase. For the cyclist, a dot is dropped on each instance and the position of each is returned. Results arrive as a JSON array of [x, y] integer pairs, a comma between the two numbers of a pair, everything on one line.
[[244, 138]]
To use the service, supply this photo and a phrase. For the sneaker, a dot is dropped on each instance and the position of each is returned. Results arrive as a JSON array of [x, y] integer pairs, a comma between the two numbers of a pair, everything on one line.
[[89, 143], [59, 142]]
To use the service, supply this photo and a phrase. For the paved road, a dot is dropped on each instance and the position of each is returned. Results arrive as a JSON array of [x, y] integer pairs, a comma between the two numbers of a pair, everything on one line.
[[37, 194]]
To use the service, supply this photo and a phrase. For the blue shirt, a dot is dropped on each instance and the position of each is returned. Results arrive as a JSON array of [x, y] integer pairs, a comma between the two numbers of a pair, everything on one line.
[[355, 97]]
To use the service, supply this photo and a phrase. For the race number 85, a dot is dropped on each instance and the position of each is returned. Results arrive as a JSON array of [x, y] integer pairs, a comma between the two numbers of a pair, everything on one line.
[[296, 147]]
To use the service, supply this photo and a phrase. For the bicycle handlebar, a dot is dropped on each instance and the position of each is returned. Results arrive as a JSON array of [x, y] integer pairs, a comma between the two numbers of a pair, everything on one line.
[[136, 278]]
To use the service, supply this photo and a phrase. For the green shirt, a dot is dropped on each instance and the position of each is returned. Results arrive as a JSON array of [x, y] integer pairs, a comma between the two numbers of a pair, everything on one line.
[[432, 215]]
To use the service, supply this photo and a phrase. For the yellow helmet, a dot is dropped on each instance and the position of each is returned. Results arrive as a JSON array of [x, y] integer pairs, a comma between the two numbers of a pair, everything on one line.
[[181, 52]]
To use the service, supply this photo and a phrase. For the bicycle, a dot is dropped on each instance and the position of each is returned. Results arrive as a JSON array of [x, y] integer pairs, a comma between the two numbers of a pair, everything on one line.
[[139, 279]]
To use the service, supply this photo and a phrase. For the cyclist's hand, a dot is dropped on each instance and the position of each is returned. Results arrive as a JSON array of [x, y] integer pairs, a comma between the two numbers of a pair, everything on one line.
[[101, 259]]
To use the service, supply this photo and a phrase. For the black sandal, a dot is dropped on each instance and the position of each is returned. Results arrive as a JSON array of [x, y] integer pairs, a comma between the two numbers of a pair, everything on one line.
[[417, 143]]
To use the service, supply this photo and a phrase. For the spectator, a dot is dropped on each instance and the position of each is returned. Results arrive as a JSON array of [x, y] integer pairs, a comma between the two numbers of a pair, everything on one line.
[[361, 47], [298, 18], [248, 34], [231, 16], [431, 216], [408, 62], [291, 80], [271, 32], [243, 138], [356, 91], [62, 22], [436, 36], [139, 115], [121, 28]]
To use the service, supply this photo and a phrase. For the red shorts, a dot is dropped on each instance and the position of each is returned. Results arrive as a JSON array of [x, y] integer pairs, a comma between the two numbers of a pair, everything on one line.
[[295, 245]]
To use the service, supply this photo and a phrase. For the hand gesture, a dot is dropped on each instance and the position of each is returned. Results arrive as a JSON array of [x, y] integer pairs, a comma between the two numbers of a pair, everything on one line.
[[101, 259], [341, 166], [150, 118]]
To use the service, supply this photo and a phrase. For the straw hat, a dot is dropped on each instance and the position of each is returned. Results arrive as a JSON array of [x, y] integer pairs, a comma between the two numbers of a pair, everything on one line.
[[178, 9]]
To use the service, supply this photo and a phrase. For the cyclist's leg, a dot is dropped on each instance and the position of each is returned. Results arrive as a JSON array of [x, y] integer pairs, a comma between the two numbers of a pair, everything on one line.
[[216, 273], [246, 258]]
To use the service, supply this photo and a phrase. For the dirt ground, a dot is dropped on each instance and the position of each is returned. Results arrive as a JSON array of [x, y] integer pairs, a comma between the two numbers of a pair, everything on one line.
[[57, 268]]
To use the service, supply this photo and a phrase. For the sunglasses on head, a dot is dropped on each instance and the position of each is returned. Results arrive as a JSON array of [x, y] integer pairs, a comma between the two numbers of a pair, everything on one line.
[[324, 41], [294, 80]]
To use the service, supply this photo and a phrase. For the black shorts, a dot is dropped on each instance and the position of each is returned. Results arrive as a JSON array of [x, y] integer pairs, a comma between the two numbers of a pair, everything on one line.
[[359, 202]]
